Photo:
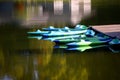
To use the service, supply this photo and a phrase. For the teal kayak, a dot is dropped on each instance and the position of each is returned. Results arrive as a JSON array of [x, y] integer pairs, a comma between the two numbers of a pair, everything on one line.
[[82, 36], [73, 38], [38, 32], [77, 27], [63, 33], [61, 37], [66, 40]]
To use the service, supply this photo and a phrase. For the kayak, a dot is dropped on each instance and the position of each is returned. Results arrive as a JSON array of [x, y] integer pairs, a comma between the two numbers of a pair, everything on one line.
[[83, 48], [90, 41], [82, 36], [66, 40], [88, 33], [38, 32], [73, 38], [63, 33], [77, 27], [113, 45], [61, 37]]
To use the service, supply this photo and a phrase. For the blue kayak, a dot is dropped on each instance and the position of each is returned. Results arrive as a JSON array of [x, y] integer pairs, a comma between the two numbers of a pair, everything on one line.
[[38, 32], [77, 27], [63, 33]]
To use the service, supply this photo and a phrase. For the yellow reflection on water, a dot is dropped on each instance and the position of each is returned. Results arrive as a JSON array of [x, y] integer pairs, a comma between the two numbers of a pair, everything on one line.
[[46, 12], [62, 69], [18, 71], [84, 74], [45, 47], [2, 63]]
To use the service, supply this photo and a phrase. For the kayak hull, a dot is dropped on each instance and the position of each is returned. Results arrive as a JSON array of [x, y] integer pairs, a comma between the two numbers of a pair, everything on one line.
[[63, 33], [38, 32], [83, 48], [54, 39], [89, 41]]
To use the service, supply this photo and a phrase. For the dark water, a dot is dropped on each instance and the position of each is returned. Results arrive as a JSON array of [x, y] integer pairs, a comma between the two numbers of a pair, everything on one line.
[[31, 59]]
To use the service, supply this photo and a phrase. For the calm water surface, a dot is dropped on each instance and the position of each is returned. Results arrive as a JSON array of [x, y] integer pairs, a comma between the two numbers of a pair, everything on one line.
[[31, 59]]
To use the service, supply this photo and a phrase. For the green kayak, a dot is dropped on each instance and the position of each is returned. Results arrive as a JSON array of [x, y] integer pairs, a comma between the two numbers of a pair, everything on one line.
[[83, 48], [113, 45], [90, 41]]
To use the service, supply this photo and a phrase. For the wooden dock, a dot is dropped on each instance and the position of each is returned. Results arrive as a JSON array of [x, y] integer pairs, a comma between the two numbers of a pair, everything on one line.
[[111, 30]]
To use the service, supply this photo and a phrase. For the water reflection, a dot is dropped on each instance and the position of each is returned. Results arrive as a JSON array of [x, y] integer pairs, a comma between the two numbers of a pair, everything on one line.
[[31, 59], [76, 12], [58, 7], [58, 11], [87, 7], [58, 65], [35, 15]]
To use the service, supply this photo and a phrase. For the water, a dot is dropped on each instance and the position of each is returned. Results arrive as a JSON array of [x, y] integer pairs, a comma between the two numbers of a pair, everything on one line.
[[31, 59]]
